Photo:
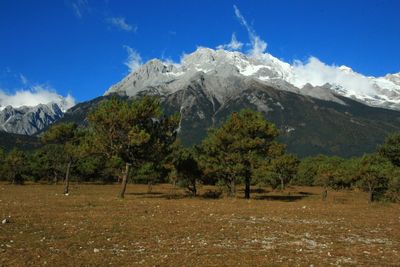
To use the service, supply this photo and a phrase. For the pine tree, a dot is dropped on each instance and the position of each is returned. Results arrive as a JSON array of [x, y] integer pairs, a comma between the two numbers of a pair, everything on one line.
[[68, 137], [391, 149], [15, 166], [134, 132], [282, 170], [374, 175], [186, 168], [2, 165], [241, 145]]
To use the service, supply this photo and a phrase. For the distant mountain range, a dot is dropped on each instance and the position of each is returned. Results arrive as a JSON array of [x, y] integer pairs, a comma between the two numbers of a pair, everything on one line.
[[333, 115], [29, 120]]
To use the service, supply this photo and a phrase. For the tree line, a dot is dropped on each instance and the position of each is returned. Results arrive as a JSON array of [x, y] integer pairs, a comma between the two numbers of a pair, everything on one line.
[[134, 140]]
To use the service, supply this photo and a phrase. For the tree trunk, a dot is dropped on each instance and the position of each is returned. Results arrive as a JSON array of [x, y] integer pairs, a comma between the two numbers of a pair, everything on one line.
[[247, 188], [66, 182], [324, 194], [232, 188], [282, 184], [55, 180], [124, 181], [149, 187], [370, 196], [194, 189]]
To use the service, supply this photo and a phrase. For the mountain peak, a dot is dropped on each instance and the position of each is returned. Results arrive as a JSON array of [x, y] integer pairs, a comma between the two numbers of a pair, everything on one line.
[[169, 78]]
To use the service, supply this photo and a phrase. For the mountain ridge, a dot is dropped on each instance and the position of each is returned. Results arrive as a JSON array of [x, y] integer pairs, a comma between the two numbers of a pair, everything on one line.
[[29, 120], [380, 91], [208, 85]]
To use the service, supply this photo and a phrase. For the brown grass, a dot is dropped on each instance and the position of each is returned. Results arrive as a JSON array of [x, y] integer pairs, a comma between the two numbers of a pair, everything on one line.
[[91, 227]]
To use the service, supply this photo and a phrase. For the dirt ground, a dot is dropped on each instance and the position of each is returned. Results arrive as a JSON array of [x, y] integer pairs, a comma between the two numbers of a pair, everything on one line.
[[91, 227]]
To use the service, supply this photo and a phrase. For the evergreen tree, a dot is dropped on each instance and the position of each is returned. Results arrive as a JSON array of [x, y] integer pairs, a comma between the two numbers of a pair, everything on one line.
[[135, 132], [307, 171], [68, 137], [236, 149], [2, 165], [374, 175], [15, 165], [186, 168], [393, 192], [327, 173], [38, 165], [391, 149], [282, 170]]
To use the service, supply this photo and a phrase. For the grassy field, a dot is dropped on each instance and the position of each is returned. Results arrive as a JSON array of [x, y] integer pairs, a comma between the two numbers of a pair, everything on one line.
[[91, 227]]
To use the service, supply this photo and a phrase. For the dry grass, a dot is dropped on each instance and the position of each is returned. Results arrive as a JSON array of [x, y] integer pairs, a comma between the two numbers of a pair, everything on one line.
[[91, 227]]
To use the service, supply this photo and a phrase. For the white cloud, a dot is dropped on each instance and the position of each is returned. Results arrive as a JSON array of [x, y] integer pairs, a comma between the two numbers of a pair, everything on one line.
[[134, 60], [80, 7], [313, 71], [24, 80], [38, 94], [258, 45], [233, 45], [318, 73], [121, 24]]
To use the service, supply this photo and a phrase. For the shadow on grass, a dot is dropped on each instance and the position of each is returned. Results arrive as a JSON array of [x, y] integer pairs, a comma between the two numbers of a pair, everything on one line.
[[285, 198], [212, 194], [254, 191], [307, 193], [145, 193], [216, 194], [207, 195], [160, 195]]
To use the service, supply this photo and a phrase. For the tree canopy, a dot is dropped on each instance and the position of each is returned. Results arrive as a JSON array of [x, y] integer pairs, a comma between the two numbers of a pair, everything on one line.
[[242, 144], [134, 131]]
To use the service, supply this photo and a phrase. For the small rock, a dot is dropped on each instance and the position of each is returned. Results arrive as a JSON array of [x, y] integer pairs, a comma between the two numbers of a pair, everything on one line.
[[5, 221], [304, 207], [96, 250]]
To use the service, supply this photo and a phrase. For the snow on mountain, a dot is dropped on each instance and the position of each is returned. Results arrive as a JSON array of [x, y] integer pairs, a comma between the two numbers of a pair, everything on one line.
[[394, 78], [29, 120], [299, 77]]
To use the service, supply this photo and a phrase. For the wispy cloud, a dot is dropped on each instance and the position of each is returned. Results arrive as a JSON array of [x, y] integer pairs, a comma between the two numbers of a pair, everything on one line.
[[258, 45], [134, 60], [313, 71], [23, 79], [233, 45], [80, 7], [38, 94], [120, 23]]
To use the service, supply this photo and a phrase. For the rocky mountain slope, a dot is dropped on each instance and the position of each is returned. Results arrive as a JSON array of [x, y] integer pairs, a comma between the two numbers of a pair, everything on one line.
[[29, 120], [343, 113], [265, 68], [314, 117]]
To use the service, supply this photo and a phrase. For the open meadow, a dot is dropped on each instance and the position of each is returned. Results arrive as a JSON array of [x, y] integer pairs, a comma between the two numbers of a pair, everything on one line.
[[92, 227]]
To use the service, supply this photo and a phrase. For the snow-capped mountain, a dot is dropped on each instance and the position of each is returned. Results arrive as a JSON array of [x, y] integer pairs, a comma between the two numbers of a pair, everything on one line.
[[298, 77], [318, 108], [29, 120]]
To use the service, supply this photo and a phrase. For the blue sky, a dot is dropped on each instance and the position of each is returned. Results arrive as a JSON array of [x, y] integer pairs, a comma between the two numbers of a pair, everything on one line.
[[80, 46]]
